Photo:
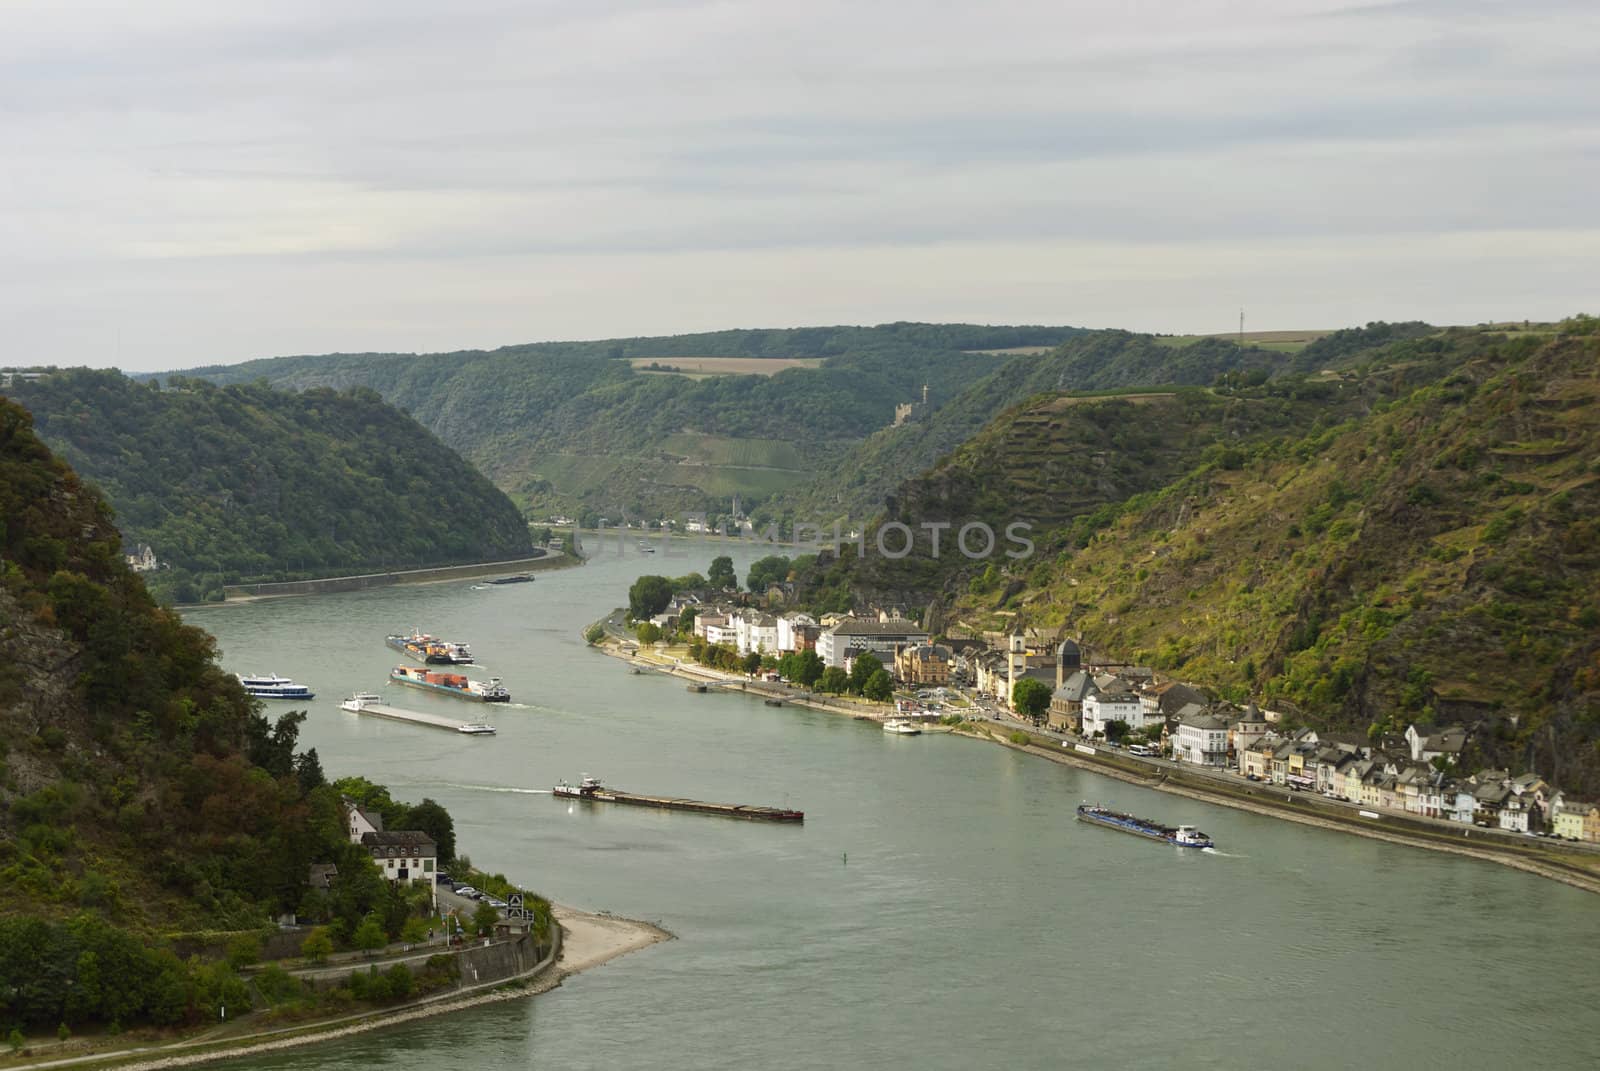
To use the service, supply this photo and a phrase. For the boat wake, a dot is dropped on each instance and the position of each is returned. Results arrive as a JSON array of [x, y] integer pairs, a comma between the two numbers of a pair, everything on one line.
[[494, 788], [1225, 855]]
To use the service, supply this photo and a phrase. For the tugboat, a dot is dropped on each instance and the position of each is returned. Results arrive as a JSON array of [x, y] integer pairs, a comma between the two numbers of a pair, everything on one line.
[[1181, 836], [273, 686]]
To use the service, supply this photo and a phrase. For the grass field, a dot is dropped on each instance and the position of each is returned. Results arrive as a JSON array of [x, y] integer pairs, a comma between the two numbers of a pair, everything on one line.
[[702, 367], [1281, 341], [1014, 351]]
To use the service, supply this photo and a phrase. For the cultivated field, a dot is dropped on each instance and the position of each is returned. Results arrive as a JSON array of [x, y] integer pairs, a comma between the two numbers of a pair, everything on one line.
[[701, 367], [1282, 341]]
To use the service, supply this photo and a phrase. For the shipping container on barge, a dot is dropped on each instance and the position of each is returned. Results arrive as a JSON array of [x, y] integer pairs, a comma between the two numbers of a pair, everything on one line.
[[430, 650], [1181, 836], [489, 691], [590, 788]]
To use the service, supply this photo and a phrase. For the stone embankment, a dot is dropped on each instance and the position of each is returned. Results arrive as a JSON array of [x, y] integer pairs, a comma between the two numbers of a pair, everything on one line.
[[541, 561]]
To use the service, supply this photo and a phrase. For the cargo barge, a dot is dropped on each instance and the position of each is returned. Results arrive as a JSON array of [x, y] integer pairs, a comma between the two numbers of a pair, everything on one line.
[[590, 788], [489, 691], [1181, 836], [431, 650]]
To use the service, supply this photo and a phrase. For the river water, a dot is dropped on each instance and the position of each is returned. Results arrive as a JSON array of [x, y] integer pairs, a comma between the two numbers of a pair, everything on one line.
[[938, 909]]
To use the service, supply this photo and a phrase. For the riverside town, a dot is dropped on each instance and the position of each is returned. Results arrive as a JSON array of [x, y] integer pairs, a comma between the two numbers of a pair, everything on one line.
[[1042, 536]]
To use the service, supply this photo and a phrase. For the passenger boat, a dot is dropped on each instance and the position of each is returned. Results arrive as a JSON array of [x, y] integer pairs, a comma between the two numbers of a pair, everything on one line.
[[901, 728], [489, 691], [430, 649], [476, 728], [359, 700], [273, 686], [1181, 836]]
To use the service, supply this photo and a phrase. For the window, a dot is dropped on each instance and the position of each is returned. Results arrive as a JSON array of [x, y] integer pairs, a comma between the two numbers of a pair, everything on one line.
[[427, 866]]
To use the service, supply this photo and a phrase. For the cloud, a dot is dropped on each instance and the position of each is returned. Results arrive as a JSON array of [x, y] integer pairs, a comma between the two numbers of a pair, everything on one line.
[[167, 150]]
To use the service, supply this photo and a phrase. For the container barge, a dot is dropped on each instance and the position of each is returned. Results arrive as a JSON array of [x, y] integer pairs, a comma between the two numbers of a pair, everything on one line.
[[1181, 836], [369, 703], [489, 691], [590, 788], [430, 650]]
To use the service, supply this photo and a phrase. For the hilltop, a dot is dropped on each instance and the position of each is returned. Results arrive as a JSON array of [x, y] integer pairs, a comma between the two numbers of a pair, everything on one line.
[[247, 482]]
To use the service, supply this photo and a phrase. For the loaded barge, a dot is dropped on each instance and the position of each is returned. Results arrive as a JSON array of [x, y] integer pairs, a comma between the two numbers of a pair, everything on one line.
[[431, 649], [1182, 836], [590, 788], [489, 691]]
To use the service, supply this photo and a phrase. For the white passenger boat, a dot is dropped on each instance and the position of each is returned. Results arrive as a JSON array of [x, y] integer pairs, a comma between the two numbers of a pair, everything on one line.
[[273, 686]]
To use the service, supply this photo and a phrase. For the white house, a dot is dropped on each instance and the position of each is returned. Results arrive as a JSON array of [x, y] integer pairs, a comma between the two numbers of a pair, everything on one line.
[[359, 822], [852, 636], [405, 857], [1425, 746], [1201, 739], [791, 631], [755, 632], [1102, 708]]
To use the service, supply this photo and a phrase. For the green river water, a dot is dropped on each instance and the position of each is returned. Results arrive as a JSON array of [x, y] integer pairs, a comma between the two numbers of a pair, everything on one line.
[[974, 923]]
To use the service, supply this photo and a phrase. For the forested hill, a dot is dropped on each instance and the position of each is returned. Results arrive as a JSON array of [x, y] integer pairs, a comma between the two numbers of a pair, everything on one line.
[[1413, 539], [147, 809], [590, 428], [228, 483], [860, 483]]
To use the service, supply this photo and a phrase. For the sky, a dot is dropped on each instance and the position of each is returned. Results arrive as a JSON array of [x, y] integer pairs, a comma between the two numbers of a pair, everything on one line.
[[186, 182]]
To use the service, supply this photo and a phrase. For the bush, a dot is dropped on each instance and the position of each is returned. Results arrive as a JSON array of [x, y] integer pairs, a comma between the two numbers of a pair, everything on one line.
[[317, 945], [1020, 738], [244, 950]]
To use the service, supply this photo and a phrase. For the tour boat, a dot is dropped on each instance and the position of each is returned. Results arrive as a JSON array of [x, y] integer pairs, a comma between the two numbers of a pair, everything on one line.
[[273, 686], [901, 728], [359, 700], [476, 728]]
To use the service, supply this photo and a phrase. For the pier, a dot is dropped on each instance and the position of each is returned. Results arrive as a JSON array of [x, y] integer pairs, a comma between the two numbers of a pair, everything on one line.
[[415, 717]]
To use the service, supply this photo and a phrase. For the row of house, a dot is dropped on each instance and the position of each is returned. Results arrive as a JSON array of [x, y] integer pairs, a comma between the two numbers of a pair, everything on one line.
[[1411, 774]]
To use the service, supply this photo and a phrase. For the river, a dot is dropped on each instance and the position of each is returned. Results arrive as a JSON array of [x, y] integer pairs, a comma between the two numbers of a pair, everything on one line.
[[938, 909]]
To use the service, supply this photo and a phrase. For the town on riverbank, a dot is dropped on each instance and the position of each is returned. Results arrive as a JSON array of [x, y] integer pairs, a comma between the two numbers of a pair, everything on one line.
[[1048, 696]]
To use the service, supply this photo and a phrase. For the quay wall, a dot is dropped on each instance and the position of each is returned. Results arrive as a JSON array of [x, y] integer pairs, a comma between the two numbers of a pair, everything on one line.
[[544, 560]]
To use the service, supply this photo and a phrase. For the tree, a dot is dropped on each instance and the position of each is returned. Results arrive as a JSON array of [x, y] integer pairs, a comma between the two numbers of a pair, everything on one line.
[[764, 572], [369, 936], [648, 596], [484, 919], [721, 574], [833, 680], [809, 668], [244, 950], [648, 632], [1116, 730], [317, 946], [432, 819], [1031, 698], [752, 662], [862, 669], [686, 620], [879, 686]]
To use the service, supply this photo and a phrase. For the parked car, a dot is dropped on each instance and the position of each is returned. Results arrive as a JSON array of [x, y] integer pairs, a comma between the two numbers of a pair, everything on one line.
[[468, 891], [494, 901]]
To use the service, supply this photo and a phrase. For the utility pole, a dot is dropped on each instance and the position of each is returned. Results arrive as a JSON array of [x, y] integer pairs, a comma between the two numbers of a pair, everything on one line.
[[1241, 327]]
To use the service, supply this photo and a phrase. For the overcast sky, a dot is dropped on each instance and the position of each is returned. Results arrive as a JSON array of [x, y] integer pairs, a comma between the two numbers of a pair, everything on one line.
[[188, 182]]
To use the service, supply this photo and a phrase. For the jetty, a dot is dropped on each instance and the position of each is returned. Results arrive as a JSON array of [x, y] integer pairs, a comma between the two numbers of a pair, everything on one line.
[[416, 717], [592, 790]]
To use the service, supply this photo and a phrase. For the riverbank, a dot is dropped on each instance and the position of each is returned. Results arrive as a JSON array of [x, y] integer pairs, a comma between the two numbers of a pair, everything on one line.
[[1533, 859], [650, 662], [235, 593], [587, 940]]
